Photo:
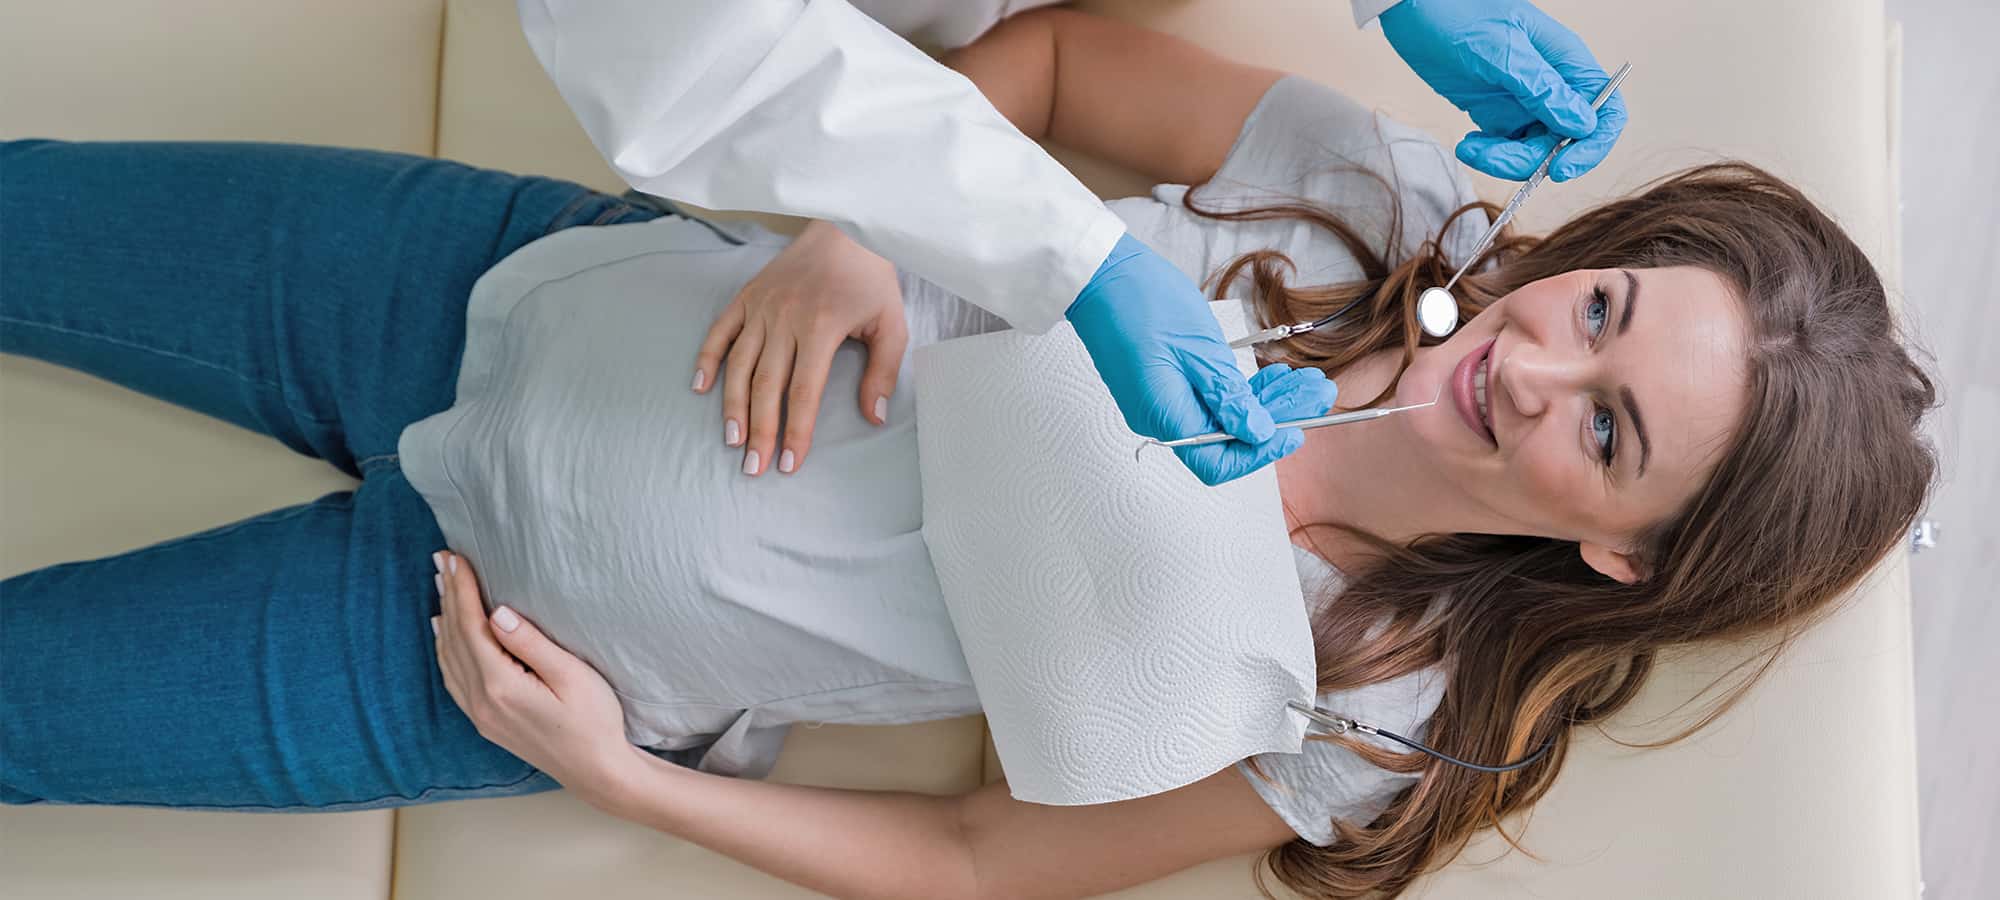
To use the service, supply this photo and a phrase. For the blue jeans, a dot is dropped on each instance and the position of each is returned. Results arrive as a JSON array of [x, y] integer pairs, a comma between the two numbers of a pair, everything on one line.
[[316, 295]]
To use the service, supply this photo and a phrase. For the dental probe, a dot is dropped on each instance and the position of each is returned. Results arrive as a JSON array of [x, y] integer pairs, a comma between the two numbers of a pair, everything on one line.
[[1360, 415]]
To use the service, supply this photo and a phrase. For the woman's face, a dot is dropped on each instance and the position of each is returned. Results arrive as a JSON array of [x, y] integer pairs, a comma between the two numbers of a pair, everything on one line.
[[1585, 406]]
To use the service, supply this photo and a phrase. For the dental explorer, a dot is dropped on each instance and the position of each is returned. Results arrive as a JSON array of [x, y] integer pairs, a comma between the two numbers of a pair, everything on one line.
[[1359, 415]]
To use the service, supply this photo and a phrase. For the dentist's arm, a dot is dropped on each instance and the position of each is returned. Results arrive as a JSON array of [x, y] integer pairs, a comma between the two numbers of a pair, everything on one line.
[[813, 109], [1082, 81]]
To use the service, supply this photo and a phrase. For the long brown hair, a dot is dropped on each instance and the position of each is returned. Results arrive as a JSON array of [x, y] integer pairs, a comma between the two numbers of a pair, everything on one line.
[[1825, 474]]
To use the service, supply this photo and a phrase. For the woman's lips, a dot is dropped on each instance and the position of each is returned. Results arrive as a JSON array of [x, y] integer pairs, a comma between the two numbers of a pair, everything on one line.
[[1462, 393]]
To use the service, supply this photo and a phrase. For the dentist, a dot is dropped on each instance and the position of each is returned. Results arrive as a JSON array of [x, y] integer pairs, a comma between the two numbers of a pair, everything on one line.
[[811, 108]]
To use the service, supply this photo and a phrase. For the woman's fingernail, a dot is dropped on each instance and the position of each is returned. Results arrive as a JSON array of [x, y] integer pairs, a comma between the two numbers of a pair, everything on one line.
[[506, 619], [437, 559], [451, 562], [434, 626], [732, 434], [750, 463], [700, 379], [439, 581], [882, 410], [785, 462]]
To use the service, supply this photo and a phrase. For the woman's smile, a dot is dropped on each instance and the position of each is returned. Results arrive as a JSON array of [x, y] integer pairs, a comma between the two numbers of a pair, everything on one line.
[[1576, 369], [1469, 393]]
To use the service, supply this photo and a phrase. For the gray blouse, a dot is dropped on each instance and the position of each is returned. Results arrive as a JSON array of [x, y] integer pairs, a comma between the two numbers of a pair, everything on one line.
[[593, 493]]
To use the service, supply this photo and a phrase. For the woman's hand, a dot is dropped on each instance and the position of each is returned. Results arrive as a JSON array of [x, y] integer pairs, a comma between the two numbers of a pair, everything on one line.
[[779, 335], [558, 714]]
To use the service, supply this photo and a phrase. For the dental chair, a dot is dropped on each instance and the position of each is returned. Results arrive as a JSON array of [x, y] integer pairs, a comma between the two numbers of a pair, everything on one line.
[[1806, 789]]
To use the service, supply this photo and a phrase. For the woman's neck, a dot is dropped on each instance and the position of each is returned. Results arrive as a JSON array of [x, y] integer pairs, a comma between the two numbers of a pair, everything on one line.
[[1361, 475]]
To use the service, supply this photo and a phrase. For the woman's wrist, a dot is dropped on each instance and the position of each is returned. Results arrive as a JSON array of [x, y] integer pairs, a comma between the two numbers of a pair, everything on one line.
[[820, 229], [826, 237], [824, 233], [628, 779]]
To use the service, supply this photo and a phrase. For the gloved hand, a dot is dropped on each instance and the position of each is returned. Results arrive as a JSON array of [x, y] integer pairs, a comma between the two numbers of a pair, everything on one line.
[[1160, 351], [1525, 80], [1289, 393], [1286, 393]]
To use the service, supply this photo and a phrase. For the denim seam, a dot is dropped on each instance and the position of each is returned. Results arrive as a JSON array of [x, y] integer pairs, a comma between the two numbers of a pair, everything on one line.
[[568, 210], [662, 205], [612, 212], [182, 357], [270, 518], [343, 805], [363, 464]]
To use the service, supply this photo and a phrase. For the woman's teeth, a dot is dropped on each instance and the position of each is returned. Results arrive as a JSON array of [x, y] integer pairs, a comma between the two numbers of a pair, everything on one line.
[[1479, 393]]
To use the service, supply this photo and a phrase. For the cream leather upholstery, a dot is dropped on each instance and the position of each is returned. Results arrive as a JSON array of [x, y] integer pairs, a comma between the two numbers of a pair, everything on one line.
[[88, 469], [1806, 790]]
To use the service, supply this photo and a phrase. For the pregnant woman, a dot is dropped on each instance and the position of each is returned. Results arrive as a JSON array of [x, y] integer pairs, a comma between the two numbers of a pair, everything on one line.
[[1684, 415]]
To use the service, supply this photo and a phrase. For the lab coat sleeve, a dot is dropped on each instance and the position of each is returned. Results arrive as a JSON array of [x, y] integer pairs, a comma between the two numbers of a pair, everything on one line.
[[944, 24], [809, 108], [1366, 11]]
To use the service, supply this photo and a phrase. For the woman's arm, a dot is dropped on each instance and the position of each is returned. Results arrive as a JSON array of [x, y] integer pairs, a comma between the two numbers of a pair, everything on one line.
[[1153, 103], [560, 715], [975, 846]]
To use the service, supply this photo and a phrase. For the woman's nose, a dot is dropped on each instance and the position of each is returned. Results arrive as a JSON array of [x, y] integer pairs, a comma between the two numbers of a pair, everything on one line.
[[1530, 376]]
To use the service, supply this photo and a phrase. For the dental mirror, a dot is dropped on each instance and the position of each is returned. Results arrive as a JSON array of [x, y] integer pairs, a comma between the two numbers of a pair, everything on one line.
[[1437, 312]]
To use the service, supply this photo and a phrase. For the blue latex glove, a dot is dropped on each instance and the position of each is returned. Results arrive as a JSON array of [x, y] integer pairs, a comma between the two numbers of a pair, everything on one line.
[[1525, 80], [1160, 351], [1289, 393]]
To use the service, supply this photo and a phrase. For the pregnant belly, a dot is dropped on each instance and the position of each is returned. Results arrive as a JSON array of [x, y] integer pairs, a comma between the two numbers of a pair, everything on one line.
[[605, 506]]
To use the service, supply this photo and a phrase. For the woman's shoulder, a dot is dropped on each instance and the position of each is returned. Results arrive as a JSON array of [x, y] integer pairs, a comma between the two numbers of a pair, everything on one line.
[[1305, 140]]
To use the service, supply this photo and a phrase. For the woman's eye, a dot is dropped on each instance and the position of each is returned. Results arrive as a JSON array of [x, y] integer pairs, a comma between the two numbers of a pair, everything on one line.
[[1597, 312], [1604, 427]]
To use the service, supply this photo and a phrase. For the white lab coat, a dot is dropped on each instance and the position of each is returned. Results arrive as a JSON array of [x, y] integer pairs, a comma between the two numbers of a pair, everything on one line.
[[810, 108], [944, 24]]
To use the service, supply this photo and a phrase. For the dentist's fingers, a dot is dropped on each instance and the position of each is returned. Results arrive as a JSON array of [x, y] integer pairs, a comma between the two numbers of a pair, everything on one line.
[[1229, 460], [1502, 157], [1585, 154], [809, 371], [1296, 393], [738, 366], [767, 401], [1525, 71], [1222, 389], [721, 333]]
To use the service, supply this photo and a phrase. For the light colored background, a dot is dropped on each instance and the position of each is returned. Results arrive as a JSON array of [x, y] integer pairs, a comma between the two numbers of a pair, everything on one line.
[[166, 482], [1951, 238]]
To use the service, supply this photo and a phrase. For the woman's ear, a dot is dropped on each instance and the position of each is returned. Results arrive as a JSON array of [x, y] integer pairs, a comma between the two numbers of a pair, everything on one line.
[[1610, 563]]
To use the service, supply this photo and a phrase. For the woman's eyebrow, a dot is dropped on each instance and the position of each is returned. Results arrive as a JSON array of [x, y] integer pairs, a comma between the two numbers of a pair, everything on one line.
[[1631, 299], [1625, 390], [1632, 412]]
